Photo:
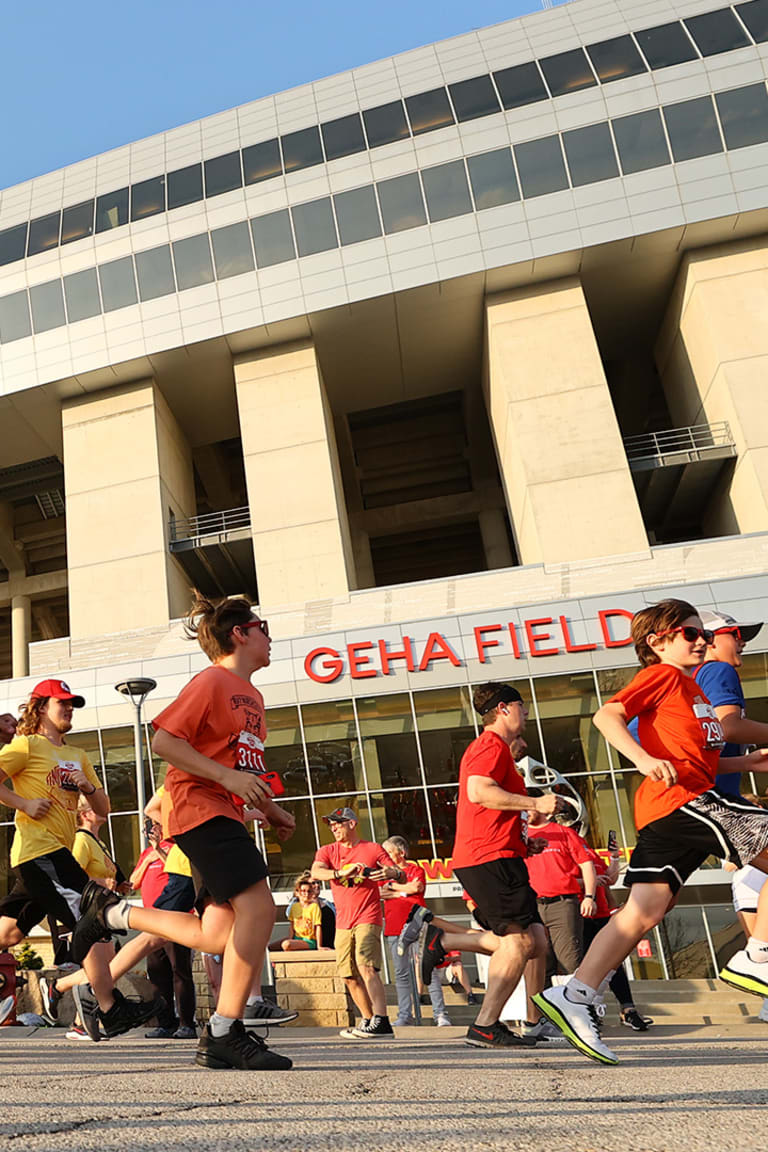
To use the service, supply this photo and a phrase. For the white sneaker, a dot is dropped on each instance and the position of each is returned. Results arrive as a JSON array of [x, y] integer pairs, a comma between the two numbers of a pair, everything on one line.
[[351, 1032], [543, 1032], [763, 1013], [442, 1021], [6, 1008], [743, 973], [577, 1022]]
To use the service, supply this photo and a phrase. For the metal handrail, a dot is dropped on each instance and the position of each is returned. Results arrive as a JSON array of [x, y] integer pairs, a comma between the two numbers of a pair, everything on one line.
[[212, 524], [696, 438]]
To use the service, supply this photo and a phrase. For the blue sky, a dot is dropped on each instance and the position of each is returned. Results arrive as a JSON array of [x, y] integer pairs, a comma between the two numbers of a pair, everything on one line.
[[79, 78]]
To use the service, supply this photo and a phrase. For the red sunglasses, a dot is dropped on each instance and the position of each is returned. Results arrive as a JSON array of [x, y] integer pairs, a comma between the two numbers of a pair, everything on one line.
[[689, 633], [260, 624], [728, 632]]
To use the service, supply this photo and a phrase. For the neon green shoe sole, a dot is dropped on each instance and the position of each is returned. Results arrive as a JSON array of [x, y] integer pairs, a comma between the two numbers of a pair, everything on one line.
[[559, 1020], [743, 982]]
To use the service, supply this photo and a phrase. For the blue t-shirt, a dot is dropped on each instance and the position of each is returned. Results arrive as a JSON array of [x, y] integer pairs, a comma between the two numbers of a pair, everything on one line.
[[721, 685]]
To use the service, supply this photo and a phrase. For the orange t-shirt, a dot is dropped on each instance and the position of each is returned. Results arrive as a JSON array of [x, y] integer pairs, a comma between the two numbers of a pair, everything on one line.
[[222, 717], [676, 722]]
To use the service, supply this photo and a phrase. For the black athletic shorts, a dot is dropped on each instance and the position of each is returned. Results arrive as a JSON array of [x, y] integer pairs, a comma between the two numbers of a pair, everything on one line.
[[178, 894], [670, 849], [224, 858], [503, 894], [49, 885]]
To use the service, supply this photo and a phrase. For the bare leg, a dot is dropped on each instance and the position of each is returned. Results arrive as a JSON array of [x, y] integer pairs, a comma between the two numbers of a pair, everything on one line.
[[213, 972], [535, 973], [96, 968], [375, 989], [244, 950], [645, 908], [10, 933], [457, 969], [121, 963], [760, 926], [294, 946], [505, 969], [208, 933], [359, 993]]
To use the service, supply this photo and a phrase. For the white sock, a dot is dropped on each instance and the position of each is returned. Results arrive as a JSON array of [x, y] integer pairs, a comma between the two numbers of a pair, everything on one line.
[[220, 1025], [118, 916], [255, 1000], [578, 992], [757, 950]]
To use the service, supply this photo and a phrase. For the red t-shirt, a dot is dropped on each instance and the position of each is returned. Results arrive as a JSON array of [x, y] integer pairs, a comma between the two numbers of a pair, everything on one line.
[[676, 722], [481, 833], [221, 716], [555, 871], [396, 910], [155, 877], [356, 903]]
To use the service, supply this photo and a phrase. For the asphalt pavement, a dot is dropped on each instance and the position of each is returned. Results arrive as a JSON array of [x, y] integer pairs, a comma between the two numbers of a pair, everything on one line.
[[688, 1088]]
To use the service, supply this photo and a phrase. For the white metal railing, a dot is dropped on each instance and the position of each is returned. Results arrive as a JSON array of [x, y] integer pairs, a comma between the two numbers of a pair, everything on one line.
[[212, 524], [695, 440]]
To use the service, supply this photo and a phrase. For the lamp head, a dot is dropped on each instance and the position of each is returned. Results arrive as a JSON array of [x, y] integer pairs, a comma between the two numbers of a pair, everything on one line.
[[136, 689]]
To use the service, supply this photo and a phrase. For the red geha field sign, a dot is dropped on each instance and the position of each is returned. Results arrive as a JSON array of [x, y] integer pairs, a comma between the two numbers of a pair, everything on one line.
[[538, 636]]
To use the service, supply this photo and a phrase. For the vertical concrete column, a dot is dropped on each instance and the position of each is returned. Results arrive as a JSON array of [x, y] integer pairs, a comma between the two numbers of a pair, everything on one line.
[[565, 474], [712, 356], [21, 633], [127, 467], [301, 540]]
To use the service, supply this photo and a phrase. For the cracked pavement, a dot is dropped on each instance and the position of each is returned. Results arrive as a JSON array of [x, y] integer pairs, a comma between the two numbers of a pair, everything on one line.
[[692, 1088]]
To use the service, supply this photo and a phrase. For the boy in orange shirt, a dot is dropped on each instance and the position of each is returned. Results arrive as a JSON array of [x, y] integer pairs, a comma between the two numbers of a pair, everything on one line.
[[213, 739], [680, 818]]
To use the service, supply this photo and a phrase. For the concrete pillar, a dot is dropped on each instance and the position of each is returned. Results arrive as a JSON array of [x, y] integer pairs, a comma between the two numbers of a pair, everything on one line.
[[565, 474], [127, 467], [712, 356], [301, 541], [21, 634]]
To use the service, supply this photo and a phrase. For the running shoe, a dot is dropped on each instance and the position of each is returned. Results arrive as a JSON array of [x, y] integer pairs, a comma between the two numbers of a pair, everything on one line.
[[472, 998], [763, 1013], [496, 1036], [6, 1008], [238, 1049], [543, 1032], [184, 1032], [88, 1010], [126, 1014], [443, 1021], [406, 1022], [417, 918], [577, 1022], [746, 974], [50, 997], [77, 1033], [378, 1027], [429, 951], [632, 1018], [349, 1033], [264, 1012], [91, 927], [160, 1034]]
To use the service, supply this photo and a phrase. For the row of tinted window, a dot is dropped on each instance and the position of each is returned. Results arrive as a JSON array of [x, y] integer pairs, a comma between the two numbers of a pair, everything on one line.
[[603, 62], [627, 144]]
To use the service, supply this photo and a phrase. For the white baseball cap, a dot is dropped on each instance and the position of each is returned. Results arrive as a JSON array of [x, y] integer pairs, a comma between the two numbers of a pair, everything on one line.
[[721, 621]]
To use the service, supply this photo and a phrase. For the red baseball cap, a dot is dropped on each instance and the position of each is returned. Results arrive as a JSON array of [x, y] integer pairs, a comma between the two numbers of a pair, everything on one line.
[[58, 690]]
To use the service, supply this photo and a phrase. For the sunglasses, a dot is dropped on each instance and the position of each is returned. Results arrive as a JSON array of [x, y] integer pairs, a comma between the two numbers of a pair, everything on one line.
[[262, 625], [688, 633], [728, 632]]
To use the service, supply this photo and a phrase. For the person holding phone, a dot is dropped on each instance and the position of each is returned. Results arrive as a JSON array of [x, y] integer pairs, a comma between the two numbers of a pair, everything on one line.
[[212, 737]]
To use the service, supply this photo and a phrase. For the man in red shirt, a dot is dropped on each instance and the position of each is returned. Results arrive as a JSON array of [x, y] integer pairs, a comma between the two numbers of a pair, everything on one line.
[[398, 900], [488, 861], [564, 879], [354, 868]]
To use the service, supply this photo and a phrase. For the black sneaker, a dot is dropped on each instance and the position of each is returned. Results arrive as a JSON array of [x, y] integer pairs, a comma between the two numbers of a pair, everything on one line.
[[496, 1036], [472, 998], [126, 1014], [265, 1012], [417, 918], [51, 997], [239, 1049], [88, 1008], [632, 1018], [376, 1027], [430, 953], [91, 927]]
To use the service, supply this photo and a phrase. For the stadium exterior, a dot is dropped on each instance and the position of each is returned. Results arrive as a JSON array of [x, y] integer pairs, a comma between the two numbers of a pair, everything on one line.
[[452, 362]]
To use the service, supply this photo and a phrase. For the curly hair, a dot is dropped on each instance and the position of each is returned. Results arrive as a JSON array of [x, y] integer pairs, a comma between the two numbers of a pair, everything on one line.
[[210, 622], [30, 719]]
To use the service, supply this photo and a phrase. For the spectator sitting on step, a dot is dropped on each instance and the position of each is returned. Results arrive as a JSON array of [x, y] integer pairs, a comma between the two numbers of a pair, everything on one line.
[[305, 919]]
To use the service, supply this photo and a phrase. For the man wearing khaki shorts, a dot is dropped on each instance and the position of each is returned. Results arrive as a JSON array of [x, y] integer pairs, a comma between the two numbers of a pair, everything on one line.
[[355, 867]]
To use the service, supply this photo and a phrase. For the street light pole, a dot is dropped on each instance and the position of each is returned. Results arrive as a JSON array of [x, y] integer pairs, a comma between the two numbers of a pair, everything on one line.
[[137, 691]]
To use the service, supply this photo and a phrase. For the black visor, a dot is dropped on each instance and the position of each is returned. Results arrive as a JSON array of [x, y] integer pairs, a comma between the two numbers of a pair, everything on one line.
[[506, 695]]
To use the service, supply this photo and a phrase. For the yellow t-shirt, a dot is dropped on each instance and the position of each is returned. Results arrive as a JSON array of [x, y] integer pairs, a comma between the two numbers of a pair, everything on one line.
[[307, 920], [92, 857], [40, 769], [176, 862]]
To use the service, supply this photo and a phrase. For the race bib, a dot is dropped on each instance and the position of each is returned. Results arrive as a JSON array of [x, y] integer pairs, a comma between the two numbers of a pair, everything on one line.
[[712, 729], [249, 754], [61, 776]]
